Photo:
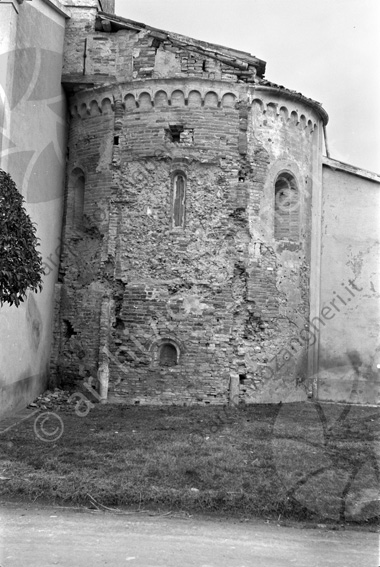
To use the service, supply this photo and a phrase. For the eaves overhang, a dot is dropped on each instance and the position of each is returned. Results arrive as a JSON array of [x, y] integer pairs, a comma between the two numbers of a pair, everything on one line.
[[293, 95], [348, 168], [58, 7]]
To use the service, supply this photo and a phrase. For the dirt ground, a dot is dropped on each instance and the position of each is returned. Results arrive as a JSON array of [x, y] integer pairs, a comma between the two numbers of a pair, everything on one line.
[[46, 536]]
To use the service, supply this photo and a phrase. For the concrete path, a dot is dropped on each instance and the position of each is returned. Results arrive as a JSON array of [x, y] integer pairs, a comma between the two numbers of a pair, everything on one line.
[[40, 536]]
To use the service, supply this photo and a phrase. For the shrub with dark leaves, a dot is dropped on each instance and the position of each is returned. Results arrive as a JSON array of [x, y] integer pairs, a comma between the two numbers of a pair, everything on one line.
[[20, 262]]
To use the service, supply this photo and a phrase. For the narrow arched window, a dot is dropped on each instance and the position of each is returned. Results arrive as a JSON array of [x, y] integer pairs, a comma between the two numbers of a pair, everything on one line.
[[286, 208], [168, 355], [179, 200]]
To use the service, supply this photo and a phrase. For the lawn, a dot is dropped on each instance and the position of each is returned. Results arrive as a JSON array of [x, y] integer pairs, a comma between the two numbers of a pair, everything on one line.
[[300, 461]]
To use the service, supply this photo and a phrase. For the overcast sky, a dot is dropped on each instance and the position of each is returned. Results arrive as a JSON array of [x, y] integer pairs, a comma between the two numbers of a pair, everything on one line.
[[327, 49]]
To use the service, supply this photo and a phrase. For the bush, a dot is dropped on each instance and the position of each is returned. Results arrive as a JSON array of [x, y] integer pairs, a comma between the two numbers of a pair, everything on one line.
[[20, 263]]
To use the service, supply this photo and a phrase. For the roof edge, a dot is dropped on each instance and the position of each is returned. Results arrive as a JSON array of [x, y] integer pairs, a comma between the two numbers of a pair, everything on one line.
[[58, 7], [348, 168], [195, 43]]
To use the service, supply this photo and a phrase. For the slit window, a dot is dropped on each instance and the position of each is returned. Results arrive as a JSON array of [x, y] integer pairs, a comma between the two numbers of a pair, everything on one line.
[[179, 200]]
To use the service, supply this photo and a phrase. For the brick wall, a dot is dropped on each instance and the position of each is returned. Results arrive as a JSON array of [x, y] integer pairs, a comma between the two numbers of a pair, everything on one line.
[[226, 294], [142, 54]]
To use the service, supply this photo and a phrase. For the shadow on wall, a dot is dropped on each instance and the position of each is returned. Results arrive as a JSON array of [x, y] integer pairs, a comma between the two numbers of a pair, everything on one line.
[[15, 396], [37, 165], [34, 322], [349, 378]]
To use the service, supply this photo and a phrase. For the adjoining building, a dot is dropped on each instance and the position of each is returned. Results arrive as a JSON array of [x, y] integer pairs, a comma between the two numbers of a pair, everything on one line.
[[32, 151], [210, 253]]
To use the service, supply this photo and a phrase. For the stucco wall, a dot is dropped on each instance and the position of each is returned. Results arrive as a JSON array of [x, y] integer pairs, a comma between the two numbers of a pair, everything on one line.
[[33, 153], [349, 328]]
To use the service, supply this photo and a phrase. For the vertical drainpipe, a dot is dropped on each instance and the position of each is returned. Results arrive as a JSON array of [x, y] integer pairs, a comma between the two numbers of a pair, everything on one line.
[[315, 259], [325, 138], [84, 56]]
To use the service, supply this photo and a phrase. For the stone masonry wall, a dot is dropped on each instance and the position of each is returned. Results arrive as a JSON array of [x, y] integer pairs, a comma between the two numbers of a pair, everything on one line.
[[186, 252], [221, 291], [133, 54], [76, 334], [279, 140]]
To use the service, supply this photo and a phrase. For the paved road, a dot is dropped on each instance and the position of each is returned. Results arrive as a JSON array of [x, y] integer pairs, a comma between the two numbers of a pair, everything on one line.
[[40, 536]]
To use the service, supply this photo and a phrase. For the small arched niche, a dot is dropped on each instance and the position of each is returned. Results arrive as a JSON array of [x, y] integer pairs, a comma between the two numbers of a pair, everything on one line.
[[271, 111], [168, 354], [211, 99], [178, 98], [94, 108], [145, 101], [106, 106], [257, 107], [228, 100], [130, 102], [195, 98], [160, 99]]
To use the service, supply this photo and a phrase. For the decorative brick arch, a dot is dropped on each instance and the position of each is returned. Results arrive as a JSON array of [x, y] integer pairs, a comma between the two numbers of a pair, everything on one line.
[[273, 211]]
